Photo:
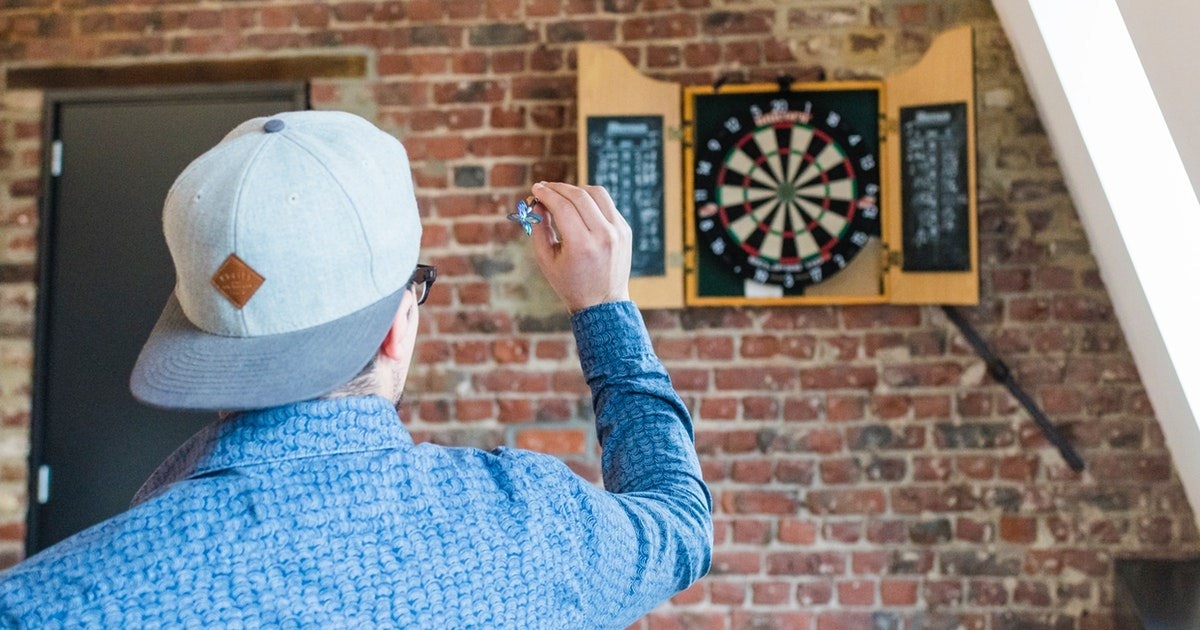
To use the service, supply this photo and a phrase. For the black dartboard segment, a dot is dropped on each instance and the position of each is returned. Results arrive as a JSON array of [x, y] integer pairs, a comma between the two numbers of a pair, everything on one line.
[[786, 190]]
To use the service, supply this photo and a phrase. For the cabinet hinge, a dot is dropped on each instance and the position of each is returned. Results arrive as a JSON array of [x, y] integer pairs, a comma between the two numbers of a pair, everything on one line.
[[888, 126], [892, 258]]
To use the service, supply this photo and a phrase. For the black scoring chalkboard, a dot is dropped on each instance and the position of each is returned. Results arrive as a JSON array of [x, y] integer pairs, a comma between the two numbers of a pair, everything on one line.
[[934, 188], [625, 155]]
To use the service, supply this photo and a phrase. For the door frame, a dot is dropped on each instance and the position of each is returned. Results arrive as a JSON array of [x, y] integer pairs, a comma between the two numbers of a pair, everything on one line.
[[47, 203]]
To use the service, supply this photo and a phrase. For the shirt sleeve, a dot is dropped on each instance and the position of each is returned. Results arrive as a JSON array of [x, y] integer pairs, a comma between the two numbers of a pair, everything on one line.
[[656, 502]]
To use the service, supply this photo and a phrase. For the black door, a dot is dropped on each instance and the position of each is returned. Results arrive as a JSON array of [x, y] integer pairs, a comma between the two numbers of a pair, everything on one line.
[[106, 273]]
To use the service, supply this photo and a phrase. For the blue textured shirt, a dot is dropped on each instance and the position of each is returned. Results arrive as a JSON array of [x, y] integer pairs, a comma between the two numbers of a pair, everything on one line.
[[325, 514]]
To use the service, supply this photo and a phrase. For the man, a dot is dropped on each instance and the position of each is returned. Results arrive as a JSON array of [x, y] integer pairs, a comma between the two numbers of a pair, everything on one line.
[[295, 246]]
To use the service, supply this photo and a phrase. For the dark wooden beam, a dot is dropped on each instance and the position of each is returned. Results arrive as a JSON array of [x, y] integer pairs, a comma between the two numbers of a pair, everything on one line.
[[178, 72]]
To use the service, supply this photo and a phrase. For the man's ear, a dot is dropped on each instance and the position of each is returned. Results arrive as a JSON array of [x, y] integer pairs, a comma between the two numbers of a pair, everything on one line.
[[393, 344]]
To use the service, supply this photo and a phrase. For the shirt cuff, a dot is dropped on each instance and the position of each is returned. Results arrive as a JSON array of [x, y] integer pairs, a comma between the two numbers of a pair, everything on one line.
[[612, 339]]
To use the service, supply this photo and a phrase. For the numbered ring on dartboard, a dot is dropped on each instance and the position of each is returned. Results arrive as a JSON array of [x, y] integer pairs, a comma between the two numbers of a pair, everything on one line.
[[786, 193]]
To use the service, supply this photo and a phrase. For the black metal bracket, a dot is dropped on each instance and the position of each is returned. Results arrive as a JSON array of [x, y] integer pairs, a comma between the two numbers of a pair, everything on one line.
[[785, 82], [1001, 373]]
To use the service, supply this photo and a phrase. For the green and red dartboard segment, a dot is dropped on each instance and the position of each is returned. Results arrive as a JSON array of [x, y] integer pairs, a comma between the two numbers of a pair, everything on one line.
[[786, 192]]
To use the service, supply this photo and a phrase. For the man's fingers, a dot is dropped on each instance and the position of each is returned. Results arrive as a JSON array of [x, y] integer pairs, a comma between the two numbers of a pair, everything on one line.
[[605, 204], [584, 204], [545, 243], [566, 217]]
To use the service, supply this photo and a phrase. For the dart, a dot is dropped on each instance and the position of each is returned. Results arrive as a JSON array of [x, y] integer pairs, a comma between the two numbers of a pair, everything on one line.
[[525, 216]]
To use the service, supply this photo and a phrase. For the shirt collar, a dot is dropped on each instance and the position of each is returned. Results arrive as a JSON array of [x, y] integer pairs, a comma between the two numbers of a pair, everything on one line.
[[305, 429]]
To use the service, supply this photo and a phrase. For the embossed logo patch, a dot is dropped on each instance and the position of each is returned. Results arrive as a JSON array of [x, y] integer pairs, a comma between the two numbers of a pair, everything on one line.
[[236, 280]]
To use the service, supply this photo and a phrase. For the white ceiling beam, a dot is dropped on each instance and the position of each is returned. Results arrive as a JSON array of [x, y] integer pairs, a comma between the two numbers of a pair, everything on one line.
[[1132, 191]]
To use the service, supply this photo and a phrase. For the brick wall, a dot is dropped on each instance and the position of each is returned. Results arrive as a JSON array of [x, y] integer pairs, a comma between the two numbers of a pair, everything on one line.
[[866, 471]]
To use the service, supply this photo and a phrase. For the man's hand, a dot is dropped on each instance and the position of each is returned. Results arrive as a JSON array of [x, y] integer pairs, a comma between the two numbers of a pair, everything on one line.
[[586, 256]]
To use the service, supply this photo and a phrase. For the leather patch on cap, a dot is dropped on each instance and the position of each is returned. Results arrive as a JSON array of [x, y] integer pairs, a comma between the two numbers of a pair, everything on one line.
[[236, 280]]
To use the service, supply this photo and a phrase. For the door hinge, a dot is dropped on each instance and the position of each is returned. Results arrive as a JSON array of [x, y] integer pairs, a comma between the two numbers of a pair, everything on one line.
[[56, 154], [43, 484]]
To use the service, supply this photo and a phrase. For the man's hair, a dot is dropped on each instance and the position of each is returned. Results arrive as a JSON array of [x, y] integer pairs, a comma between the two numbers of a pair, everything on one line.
[[364, 383]]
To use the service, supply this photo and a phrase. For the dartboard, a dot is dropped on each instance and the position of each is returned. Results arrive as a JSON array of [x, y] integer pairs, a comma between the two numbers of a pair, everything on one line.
[[786, 191]]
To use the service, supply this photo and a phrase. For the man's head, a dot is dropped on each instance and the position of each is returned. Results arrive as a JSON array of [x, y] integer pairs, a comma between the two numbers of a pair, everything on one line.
[[293, 240]]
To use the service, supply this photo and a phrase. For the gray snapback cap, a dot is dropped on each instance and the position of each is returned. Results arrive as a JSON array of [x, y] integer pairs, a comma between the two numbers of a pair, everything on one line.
[[293, 241]]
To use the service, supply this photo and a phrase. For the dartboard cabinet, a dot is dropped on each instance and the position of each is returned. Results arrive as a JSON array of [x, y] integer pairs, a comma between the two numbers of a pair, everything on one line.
[[783, 192]]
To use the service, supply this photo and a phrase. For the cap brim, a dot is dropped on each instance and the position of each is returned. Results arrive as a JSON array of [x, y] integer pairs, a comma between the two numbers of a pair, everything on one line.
[[183, 367]]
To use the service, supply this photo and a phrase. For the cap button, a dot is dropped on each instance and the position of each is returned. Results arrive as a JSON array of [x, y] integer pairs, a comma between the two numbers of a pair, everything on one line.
[[273, 125]]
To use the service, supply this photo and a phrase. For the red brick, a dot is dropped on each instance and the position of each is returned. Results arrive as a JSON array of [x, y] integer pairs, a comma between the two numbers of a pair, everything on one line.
[[887, 531], [987, 593], [923, 375], [842, 620], [512, 380], [718, 408], [846, 501], [434, 410], [685, 620], [935, 406], [662, 56], [714, 347], [801, 409], [842, 531], [467, 352], [824, 441], [856, 592], [838, 377], [751, 531], [805, 563], [881, 316], [870, 562], [474, 293], [432, 351], [1031, 593], [739, 441], [780, 620], [699, 55], [466, 410], [521, 410], [551, 349], [943, 592], [1021, 468], [840, 408], [797, 531], [475, 233], [752, 471], [759, 502], [978, 467], [743, 52], [890, 406], [1018, 529], [443, 147], [736, 563], [974, 530], [552, 441], [726, 592], [814, 593], [840, 471], [659, 27], [898, 592], [523, 145], [795, 472], [757, 379], [511, 350], [770, 593]]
